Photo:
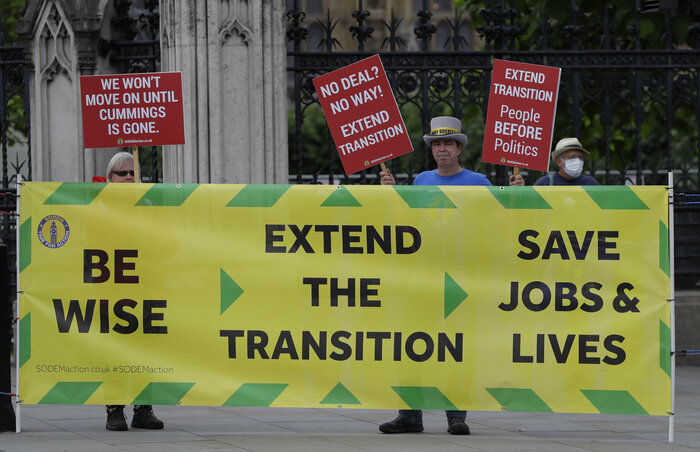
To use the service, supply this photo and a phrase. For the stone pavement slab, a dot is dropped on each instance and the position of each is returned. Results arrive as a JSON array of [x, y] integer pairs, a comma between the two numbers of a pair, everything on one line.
[[82, 428]]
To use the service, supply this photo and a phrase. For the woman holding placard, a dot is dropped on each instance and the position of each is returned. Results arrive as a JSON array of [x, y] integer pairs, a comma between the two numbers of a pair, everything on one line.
[[121, 169]]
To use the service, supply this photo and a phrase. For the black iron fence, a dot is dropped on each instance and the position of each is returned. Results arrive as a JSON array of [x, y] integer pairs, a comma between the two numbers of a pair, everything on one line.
[[630, 89], [15, 144], [15, 152]]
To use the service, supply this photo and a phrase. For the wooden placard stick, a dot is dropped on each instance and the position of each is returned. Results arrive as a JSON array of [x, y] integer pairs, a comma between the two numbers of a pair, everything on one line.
[[137, 166], [383, 167]]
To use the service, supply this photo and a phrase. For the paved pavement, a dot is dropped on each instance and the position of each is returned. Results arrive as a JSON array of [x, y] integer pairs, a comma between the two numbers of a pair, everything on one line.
[[81, 428]]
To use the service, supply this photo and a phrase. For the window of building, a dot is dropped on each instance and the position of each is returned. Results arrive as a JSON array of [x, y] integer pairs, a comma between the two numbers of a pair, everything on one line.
[[316, 35], [441, 37], [314, 6], [442, 6]]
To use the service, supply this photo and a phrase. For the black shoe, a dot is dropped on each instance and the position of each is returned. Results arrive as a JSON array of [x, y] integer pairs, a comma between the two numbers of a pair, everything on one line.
[[400, 425], [116, 421], [456, 426], [144, 418]]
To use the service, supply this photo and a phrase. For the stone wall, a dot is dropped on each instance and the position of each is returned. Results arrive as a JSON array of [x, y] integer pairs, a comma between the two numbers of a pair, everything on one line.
[[59, 39], [688, 326], [232, 55]]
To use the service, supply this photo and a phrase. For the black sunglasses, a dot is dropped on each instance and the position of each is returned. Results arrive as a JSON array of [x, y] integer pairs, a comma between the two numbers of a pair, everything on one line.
[[123, 173]]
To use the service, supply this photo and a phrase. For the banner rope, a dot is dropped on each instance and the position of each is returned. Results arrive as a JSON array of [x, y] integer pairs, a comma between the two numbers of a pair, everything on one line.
[[687, 352], [680, 198]]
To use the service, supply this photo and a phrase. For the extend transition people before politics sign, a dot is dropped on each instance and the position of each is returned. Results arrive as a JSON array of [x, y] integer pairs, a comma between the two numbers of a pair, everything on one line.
[[362, 115], [521, 112], [479, 298], [132, 110]]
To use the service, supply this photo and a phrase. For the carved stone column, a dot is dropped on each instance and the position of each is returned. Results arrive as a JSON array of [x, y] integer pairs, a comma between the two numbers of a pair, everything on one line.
[[232, 56], [59, 39]]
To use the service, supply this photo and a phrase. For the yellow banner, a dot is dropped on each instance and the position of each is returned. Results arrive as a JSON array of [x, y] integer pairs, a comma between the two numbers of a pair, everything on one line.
[[550, 299]]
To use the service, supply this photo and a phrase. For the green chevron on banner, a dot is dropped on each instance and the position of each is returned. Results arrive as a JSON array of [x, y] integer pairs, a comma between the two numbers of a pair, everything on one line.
[[258, 195], [424, 398], [341, 197], [613, 402], [424, 197], [167, 195], [519, 198], [519, 399], [665, 347], [256, 394], [664, 263], [75, 194], [340, 395], [454, 295], [25, 244], [162, 393], [25, 339], [615, 197], [70, 392], [230, 291]]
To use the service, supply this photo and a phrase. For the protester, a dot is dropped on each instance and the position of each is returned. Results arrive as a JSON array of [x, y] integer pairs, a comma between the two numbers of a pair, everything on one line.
[[121, 170], [569, 156], [446, 142]]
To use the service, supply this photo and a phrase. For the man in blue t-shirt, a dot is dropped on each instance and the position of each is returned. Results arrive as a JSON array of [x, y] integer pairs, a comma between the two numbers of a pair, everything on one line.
[[446, 141], [569, 156]]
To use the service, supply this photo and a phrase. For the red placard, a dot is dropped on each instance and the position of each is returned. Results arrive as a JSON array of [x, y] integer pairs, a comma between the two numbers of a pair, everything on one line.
[[521, 112], [362, 114], [132, 110]]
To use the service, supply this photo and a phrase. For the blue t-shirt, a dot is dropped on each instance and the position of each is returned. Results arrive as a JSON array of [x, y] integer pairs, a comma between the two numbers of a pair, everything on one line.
[[464, 177], [558, 179]]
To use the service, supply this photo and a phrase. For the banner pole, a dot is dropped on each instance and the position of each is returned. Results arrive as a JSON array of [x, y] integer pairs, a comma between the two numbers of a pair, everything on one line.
[[516, 171], [672, 299], [18, 405], [137, 166]]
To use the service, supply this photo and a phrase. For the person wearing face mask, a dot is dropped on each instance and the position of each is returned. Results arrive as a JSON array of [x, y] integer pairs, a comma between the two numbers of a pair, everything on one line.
[[569, 156]]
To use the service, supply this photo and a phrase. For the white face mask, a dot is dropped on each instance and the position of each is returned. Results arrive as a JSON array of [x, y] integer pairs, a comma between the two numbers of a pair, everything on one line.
[[573, 167]]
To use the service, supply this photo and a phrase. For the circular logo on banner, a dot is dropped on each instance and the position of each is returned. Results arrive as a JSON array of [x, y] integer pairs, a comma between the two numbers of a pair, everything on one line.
[[503, 160], [53, 231], [366, 162], [120, 141]]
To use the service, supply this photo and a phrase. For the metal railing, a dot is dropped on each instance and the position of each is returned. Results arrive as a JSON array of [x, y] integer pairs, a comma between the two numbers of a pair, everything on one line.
[[630, 89]]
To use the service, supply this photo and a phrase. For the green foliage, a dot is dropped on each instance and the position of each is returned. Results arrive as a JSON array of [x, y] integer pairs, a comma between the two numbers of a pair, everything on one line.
[[593, 17], [318, 154], [16, 121], [9, 17]]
